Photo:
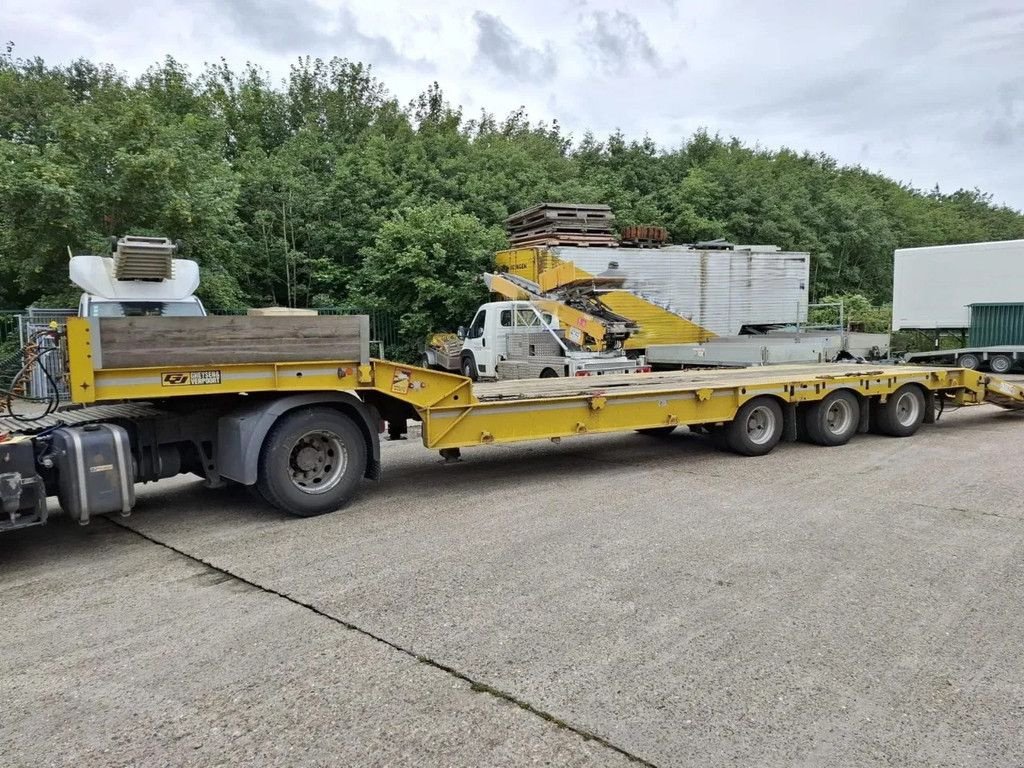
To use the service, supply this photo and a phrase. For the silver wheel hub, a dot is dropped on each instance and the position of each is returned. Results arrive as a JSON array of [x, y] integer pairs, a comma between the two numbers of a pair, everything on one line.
[[307, 458], [317, 461], [838, 417], [761, 425], [906, 409]]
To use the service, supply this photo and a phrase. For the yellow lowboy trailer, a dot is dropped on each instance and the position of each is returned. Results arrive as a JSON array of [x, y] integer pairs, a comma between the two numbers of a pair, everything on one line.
[[295, 409]]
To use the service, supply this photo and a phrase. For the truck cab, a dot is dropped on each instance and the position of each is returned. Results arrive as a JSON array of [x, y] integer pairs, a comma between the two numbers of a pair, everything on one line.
[[485, 341], [97, 306], [519, 340], [141, 279]]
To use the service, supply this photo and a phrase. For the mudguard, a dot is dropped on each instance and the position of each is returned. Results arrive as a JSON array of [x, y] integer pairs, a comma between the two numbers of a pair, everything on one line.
[[240, 434]]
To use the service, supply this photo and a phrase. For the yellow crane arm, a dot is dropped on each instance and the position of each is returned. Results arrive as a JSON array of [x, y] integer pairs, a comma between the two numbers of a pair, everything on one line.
[[580, 327]]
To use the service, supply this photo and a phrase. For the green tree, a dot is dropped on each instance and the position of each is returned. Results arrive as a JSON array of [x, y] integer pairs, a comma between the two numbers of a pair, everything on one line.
[[425, 264], [294, 193], [858, 313]]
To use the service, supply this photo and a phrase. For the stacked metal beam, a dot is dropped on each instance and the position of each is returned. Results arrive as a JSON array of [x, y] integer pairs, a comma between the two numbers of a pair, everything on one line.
[[562, 224]]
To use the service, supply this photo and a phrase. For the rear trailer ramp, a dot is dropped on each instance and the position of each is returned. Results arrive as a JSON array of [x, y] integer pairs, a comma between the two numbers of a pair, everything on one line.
[[1003, 393]]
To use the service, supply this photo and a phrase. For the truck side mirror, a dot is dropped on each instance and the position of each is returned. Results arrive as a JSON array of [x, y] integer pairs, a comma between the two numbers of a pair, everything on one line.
[[461, 333]]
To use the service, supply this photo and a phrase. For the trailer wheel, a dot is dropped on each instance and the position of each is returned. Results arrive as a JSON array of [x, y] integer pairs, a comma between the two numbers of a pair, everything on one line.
[[1000, 363], [425, 363], [902, 413], [311, 461], [968, 360], [756, 429], [833, 420], [549, 373]]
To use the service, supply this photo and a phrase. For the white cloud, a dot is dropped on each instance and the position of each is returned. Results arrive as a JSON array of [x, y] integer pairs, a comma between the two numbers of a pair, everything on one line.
[[500, 49], [926, 91]]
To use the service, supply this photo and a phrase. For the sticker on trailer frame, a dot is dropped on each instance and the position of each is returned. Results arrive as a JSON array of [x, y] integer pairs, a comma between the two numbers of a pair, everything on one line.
[[401, 381], [189, 378]]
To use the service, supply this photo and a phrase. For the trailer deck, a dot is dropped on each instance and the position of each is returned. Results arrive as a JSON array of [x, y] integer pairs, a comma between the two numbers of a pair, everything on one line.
[[553, 408], [685, 379], [457, 413]]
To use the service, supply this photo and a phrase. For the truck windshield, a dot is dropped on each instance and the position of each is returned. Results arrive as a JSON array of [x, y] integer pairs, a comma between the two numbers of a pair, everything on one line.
[[524, 317], [145, 309]]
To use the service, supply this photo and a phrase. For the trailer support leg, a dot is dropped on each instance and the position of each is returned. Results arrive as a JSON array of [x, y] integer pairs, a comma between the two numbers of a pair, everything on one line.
[[397, 429], [451, 455]]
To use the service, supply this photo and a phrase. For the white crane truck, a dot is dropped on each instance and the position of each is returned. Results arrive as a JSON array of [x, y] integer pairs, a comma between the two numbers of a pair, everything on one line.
[[517, 340]]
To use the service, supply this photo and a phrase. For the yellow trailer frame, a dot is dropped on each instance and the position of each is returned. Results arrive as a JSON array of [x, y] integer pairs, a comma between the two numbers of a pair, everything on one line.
[[457, 414]]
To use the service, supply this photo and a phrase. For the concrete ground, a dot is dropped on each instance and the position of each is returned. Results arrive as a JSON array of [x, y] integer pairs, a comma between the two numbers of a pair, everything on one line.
[[608, 601]]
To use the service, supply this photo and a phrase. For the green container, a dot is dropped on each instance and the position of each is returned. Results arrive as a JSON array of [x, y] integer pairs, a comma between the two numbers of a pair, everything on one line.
[[995, 325]]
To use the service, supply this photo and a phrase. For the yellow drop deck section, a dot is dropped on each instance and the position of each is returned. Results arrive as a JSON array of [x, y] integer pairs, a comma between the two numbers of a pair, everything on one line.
[[550, 408], [456, 413]]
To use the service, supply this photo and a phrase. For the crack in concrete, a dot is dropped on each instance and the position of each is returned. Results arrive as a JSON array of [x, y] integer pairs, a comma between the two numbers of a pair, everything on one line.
[[968, 512], [476, 686]]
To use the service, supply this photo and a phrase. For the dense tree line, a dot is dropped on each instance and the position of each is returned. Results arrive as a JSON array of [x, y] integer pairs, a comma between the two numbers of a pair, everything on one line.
[[325, 191]]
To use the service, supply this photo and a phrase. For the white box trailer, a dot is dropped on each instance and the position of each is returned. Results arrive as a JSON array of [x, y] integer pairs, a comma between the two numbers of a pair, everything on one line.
[[934, 287], [722, 290]]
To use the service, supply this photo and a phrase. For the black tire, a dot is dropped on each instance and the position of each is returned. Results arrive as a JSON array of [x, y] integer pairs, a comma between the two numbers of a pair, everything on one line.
[[902, 413], [467, 365], [833, 420], [549, 373], [1000, 363], [301, 451], [968, 360], [757, 428], [657, 431]]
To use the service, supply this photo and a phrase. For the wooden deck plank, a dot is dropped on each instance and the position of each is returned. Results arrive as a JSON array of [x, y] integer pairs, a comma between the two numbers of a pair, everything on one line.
[[141, 342], [527, 389]]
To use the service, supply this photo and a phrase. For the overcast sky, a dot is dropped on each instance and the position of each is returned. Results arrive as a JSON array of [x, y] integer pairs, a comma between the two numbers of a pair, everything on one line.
[[928, 92]]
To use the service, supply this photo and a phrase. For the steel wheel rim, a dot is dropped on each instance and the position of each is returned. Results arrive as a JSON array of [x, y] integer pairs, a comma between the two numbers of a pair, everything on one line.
[[970, 362], [838, 417], [761, 425], [1000, 364], [907, 409], [317, 461]]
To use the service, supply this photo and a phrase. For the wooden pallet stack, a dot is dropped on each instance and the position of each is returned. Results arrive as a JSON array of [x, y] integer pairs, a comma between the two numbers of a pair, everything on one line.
[[644, 236], [548, 224]]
